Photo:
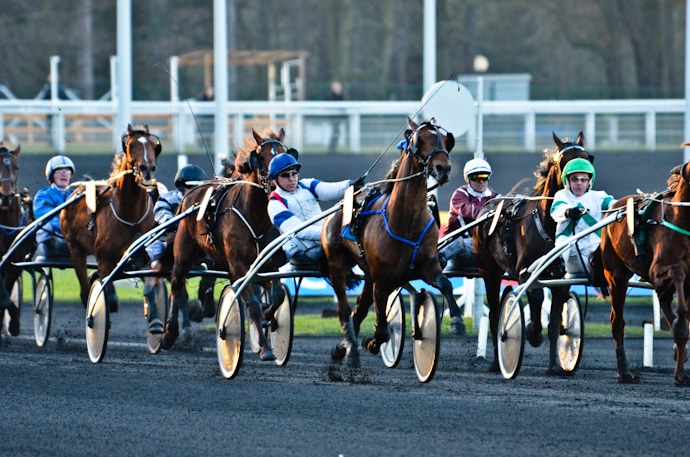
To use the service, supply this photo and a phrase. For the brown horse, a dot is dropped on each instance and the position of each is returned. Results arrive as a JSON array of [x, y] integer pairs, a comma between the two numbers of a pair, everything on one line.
[[232, 232], [16, 212], [397, 241], [525, 232], [658, 253], [124, 210]]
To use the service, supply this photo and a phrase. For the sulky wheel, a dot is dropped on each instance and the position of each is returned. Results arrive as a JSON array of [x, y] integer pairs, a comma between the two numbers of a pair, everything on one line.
[[426, 344], [571, 337], [97, 322], [511, 336], [281, 336], [43, 308], [162, 305], [230, 333], [392, 350]]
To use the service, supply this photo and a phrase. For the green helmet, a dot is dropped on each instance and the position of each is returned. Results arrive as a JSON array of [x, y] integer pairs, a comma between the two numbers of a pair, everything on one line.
[[578, 166]]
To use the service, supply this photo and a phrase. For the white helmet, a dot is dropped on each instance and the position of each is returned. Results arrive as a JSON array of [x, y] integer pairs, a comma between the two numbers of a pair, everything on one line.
[[58, 162], [475, 166]]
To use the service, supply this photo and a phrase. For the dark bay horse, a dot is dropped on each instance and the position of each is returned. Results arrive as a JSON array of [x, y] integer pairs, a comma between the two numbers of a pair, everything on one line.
[[397, 241], [525, 232], [232, 232], [124, 210], [659, 252], [16, 212]]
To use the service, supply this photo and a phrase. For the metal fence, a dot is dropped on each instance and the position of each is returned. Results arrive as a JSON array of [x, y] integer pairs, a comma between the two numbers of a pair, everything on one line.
[[369, 126]]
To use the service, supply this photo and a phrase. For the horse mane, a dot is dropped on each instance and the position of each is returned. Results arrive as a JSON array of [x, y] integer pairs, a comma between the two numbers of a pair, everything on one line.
[[115, 167], [544, 169], [387, 187], [250, 145]]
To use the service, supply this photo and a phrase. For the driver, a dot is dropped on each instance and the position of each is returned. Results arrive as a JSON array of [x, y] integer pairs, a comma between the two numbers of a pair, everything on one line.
[[51, 243], [576, 208], [295, 201]]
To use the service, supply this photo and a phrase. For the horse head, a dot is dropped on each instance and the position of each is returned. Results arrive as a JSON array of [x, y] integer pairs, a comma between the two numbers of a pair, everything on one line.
[[567, 150], [8, 175], [264, 146], [430, 147], [141, 150]]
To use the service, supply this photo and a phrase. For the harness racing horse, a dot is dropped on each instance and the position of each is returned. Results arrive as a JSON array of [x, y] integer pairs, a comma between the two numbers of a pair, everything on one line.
[[524, 232], [124, 210], [16, 212], [232, 232], [657, 251], [397, 239]]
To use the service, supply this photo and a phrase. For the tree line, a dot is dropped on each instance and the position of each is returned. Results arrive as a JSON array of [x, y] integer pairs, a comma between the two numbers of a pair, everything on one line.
[[588, 49]]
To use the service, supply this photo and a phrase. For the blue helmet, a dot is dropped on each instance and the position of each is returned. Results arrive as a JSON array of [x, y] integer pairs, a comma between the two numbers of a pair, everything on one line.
[[58, 162], [280, 163]]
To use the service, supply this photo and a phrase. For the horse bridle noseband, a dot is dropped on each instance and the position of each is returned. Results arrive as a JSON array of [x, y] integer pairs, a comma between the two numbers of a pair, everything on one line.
[[414, 151]]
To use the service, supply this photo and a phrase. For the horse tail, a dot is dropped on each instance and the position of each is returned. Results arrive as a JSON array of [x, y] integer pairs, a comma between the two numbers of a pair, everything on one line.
[[598, 278]]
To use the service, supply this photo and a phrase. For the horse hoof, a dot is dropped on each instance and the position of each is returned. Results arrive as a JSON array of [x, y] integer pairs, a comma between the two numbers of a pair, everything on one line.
[[457, 326], [170, 335], [535, 338], [557, 371], [682, 380], [627, 378], [195, 313], [186, 336], [267, 355], [338, 353], [353, 359], [494, 368], [371, 345], [13, 328]]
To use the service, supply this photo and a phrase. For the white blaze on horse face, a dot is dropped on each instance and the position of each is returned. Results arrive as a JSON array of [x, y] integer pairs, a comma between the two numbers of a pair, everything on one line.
[[144, 142]]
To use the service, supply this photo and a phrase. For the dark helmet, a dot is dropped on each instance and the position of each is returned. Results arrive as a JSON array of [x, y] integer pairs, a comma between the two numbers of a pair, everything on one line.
[[189, 173], [280, 163]]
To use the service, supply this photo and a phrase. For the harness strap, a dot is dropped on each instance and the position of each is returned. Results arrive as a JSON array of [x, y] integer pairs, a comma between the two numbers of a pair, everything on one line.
[[540, 226], [248, 225], [131, 224], [674, 227], [414, 244]]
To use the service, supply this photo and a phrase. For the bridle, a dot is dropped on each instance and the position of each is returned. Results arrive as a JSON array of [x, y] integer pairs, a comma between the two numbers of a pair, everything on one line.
[[8, 173], [413, 150], [142, 137]]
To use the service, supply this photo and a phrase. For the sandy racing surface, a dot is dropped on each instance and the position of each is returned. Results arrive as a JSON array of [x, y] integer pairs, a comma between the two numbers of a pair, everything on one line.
[[56, 402]]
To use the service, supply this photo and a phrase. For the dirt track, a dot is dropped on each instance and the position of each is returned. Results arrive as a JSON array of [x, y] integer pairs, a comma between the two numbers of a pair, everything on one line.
[[55, 402]]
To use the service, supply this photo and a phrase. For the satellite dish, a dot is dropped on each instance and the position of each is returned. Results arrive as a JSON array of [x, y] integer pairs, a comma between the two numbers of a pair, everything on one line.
[[451, 104]]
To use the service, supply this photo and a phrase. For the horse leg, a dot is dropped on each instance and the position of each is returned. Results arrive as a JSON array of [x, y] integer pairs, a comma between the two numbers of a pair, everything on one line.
[[535, 298], [457, 324], [155, 325], [618, 286], [277, 298], [7, 303], [364, 301], [493, 297], [204, 305], [381, 331], [254, 310], [556, 325], [347, 349], [679, 326]]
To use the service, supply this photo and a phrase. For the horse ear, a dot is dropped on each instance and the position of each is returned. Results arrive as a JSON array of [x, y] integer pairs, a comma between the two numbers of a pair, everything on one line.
[[146, 129], [559, 143], [17, 150], [281, 134], [580, 139], [412, 124], [293, 152], [590, 157], [257, 137], [158, 148], [450, 141]]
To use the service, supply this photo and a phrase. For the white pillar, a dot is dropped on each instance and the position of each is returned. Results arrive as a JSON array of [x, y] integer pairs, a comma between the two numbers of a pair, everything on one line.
[[429, 70], [220, 81], [124, 66]]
